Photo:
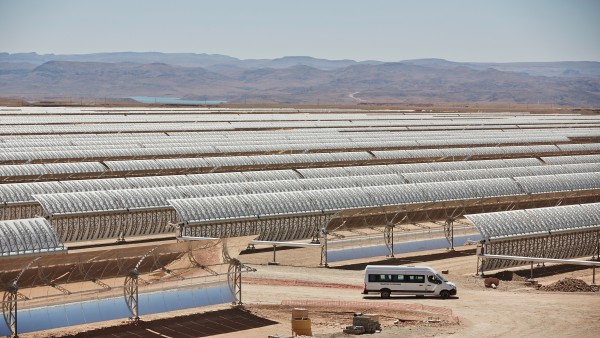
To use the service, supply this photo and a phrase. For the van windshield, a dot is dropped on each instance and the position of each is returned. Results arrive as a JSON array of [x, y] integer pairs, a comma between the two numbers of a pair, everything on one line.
[[440, 277]]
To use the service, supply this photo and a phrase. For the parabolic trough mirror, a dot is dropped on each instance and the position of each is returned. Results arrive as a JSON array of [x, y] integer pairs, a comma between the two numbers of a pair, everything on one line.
[[86, 286]]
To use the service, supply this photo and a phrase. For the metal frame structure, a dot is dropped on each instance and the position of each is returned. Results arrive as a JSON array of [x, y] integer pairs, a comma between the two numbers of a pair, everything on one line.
[[120, 267], [170, 166], [507, 161], [561, 232], [243, 214], [532, 260], [28, 236], [17, 201]]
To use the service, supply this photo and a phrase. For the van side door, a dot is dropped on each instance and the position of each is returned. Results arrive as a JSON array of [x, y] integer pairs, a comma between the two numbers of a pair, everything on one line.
[[414, 283], [432, 284]]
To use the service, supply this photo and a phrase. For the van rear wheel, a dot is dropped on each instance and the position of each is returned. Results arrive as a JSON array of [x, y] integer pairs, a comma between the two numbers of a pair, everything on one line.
[[385, 294], [445, 294]]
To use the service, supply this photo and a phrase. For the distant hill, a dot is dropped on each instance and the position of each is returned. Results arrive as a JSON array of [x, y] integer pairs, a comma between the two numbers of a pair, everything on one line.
[[296, 79]]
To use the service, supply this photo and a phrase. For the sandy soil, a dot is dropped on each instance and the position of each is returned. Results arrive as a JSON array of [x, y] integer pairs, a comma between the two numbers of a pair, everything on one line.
[[514, 309]]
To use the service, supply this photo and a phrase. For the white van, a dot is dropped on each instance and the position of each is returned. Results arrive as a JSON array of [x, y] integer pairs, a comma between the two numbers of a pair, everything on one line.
[[406, 280]]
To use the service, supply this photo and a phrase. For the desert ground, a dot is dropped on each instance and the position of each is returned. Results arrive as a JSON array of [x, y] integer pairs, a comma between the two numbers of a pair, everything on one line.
[[333, 294]]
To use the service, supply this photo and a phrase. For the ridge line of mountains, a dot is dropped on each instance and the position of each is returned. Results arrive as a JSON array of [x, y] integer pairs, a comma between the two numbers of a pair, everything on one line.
[[296, 79]]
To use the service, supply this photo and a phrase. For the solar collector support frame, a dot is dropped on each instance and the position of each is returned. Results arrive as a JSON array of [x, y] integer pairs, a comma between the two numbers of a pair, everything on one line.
[[118, 263], [73, 154], [477, 204], [131, 220], [18, 193], [240, 163], [542, 235]]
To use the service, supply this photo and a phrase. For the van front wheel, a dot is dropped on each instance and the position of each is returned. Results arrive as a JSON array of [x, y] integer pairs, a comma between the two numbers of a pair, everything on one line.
[[444, 294], [385, 294]]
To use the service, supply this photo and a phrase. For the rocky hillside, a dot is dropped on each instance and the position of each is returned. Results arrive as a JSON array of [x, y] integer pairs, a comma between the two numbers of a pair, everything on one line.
[[297, 79]]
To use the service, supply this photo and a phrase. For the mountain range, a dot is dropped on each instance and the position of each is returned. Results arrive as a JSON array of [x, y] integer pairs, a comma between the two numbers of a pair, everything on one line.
[[296, 79]]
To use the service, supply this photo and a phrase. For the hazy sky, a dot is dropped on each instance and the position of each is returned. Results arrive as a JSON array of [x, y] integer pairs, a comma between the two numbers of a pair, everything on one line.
[[394, 30]]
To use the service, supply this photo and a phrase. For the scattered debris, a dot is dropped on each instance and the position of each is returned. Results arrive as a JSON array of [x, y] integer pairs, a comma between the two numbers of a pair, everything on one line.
[[363, 324], [301, 324], [491, 282], [433, 320], [569, 285]]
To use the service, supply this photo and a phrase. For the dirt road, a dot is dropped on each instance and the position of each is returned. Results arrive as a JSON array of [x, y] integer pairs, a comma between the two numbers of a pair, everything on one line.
[[512, 310]]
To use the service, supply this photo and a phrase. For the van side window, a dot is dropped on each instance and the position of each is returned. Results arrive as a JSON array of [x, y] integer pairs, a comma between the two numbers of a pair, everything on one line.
[[380, 278], [414, 278], [433, 279], [397, 278], [386, 278]]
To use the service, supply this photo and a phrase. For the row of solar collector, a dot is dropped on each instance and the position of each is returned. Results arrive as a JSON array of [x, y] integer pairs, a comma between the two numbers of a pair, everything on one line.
[[404, 139], [369, 191], [221, 121], [206, 164], [565, 129], [256, 206], [284, 135], [73, 220], [124, 117], [275, 144], [166, 149], [63, 116], [27, 236], [193, 118], [37, 235], [208, 126], [18, 193], [536, 221], [221, 109]]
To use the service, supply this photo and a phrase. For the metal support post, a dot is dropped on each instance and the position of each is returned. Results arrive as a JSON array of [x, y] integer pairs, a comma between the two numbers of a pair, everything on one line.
[[9, 308], [274, 262], [235, 279], [597, 246], [131, 294], [388, 238], [480, 251], [449, 232], [531, 272], [594, 275], [324, 248]]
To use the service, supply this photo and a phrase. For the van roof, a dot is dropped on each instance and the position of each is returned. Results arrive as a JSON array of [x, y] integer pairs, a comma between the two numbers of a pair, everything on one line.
[[409, 267]]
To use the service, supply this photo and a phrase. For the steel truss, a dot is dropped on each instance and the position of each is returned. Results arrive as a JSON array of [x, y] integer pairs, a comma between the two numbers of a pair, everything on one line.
[[10, 298], [131, 290], [438, 211], [20, 211], [234, 278], [269, 229], [9, 308], [559, 246], [449, 231], [388, 238], [130, 263], [323, 240], [117, 225]]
